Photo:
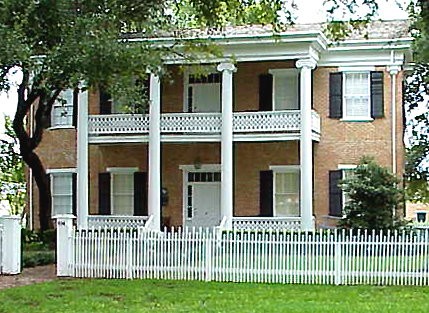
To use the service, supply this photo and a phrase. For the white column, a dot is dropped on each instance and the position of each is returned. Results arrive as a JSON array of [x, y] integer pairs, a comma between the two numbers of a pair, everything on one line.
[[154, 184], [10, 243], [64, 243], [82, 161], [227, 162], [393, 70], [306, 145]]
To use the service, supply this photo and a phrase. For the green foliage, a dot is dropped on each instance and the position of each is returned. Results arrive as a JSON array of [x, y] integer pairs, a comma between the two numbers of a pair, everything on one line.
[[12, 176], [373, 194], [36, 258], [38, 248]]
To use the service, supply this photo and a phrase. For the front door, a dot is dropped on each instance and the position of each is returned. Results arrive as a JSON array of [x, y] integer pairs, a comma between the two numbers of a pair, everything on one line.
[[205, 205]]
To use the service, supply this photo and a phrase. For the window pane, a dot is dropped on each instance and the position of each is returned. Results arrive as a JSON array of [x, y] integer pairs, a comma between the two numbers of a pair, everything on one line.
[[356, 95], [62, 200], [123, 194], [286, 92], [287, 194], [357, 106]]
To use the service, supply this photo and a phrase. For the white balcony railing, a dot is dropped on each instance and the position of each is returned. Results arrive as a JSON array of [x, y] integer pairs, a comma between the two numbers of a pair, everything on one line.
[[107, 221], [191, 123], [266, 223]]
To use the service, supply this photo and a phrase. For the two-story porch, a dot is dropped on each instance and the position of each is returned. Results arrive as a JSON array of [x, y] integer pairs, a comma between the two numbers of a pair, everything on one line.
[[225, 147]]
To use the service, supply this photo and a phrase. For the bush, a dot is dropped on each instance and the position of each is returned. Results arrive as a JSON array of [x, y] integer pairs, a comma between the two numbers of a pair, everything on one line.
[[373, 194], [36, 258]]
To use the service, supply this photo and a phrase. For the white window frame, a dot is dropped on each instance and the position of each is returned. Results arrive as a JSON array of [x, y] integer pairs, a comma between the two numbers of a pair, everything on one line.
[[343, 168], [115, 171], [58, 105], [277, 169], [60, 171], [356, 70], [284, 72], [188, 72]]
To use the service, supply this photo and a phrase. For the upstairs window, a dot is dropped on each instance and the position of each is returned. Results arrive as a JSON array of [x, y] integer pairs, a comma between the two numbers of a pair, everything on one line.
[[63, 114], [356, 95], [203, 93]]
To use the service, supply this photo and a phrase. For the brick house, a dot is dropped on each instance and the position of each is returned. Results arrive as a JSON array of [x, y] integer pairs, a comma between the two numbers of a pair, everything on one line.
[[259, 142]]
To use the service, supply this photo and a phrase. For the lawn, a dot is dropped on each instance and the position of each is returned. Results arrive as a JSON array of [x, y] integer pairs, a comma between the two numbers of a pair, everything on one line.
[[179, 296]]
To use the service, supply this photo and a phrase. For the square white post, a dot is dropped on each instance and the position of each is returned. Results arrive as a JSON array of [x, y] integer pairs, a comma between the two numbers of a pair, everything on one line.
[[11, 244], [306, 145], [64, 244], [154, 184], [82, 161], [227, 157]]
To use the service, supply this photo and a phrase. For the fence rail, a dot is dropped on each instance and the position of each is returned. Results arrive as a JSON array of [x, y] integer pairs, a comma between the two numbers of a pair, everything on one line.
[[328, 257]]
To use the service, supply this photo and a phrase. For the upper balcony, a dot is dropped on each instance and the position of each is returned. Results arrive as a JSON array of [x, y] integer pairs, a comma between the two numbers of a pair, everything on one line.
[[203, 127]]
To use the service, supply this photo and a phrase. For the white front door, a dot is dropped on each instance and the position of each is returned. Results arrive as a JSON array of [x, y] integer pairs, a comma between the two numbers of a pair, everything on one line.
[[205, 205]]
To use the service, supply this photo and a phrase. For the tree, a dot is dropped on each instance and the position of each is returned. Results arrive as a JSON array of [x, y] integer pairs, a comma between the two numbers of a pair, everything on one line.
[[12, 176], [373, 195], [58, 44]]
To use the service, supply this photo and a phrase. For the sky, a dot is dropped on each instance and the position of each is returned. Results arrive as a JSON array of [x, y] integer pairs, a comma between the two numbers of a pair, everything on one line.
[[309, 11]]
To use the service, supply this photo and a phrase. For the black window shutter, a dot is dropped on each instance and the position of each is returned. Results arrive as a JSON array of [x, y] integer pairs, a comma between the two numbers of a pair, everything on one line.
[[104, 194], [265, 92], [105, 102], [140, 194], [74, 194], [377, 90], [335, 193], [266, 193], [336, 95], [75, 105]]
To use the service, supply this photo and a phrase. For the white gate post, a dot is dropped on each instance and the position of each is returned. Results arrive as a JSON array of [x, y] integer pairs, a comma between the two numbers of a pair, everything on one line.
[[11, 248], [64, 243]]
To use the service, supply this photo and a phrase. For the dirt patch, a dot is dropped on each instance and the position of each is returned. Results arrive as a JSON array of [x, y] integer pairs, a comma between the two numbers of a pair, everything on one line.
[[29, 276]]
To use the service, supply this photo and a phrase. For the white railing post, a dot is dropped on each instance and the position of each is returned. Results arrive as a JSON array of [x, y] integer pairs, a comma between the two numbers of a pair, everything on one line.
[[11, 247], [64, 243], [338, 259]]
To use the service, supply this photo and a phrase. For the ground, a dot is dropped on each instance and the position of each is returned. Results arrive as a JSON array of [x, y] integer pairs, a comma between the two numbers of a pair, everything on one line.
[[29, 276]]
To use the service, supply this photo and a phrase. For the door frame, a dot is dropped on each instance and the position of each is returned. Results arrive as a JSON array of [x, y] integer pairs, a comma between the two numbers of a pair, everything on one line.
[[195, 168]]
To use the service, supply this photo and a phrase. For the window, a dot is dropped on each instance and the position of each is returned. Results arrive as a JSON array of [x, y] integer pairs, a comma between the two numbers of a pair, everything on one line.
[[356, 95], [286, 191], [62, 191], [347, 173], [62, 110], [285, 89], [203, 93], [122, 190]]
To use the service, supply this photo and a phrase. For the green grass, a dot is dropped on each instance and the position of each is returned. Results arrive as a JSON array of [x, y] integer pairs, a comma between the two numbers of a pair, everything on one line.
[[178, 296]]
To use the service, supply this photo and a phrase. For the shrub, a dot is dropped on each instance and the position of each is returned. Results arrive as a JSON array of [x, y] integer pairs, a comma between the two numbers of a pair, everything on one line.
[[373, 195]]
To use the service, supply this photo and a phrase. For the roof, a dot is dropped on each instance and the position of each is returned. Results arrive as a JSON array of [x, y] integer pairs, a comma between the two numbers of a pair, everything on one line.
[[374, 30]]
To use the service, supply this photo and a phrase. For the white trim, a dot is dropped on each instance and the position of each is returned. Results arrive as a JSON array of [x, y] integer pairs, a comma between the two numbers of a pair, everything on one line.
[[61, 127], [122, 170], [356, 119], [347, 166], [284, 168], [202, 168], [356, 68], [61, 170]]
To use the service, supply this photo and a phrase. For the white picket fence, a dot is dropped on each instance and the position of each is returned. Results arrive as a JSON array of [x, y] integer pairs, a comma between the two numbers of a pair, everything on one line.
[[325, 257]]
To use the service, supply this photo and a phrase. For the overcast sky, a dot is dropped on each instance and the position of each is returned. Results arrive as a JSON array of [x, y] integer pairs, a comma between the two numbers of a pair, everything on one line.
[[309, 11]]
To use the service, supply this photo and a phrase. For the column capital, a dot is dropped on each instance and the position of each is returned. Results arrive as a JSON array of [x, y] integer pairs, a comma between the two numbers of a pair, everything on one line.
[[394, 69], [227, 67], [307, 63]]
